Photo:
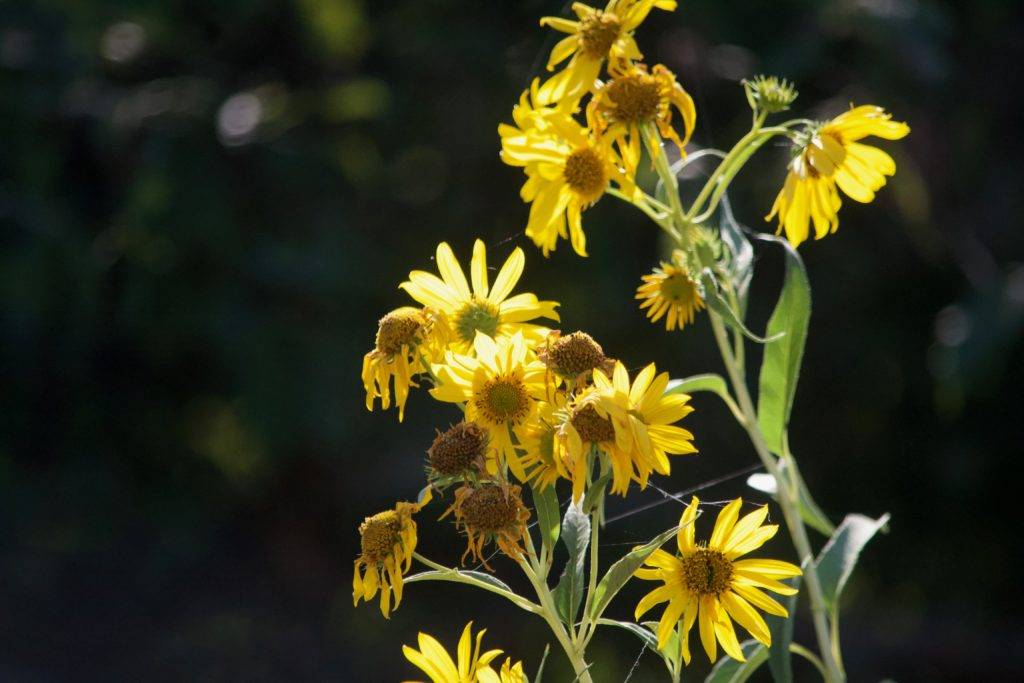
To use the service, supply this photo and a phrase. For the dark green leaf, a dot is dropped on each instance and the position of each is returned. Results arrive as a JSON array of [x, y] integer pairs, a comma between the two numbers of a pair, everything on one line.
[[780, 368], [620, 572], [839, 556], [548, 521], [728, 670], [782, 635], [568, 593]]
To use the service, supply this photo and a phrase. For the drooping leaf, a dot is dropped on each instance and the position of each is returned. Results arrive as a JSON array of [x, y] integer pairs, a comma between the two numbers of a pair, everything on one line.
[[812, 515], [708, 382], [839, 556], [741, 254], [540, 667], [620, 572], [641, 632], [545, 501], [568, 593], [780, 367], [435, 575], [728, 670], [781, 629], [716, 303]]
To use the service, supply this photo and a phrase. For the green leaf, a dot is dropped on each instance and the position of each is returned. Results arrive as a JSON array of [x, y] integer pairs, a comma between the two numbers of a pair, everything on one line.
[[728, 670], [595, 494], [839, 556], [781, 630], [545, 501], [435, 575], [780, 368], [540, 667], [716, 303], [812, 515], [644, 634], [741, 254], [568, 593], [709, 382], [620, 572]]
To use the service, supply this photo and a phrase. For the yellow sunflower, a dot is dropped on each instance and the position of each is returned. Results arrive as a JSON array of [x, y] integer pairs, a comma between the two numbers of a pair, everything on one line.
[[536, 437], [407, 338], [486, 308], [595, 36], [670, 290], [490, 511], [708, 584], [500, 385], [473, 666], [583, 426], [828, 156], [633, 97], [642, 416], [567, 170], [387, 541]]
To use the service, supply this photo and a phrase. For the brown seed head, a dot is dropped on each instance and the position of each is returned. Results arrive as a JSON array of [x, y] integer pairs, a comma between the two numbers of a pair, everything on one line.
[[591, 426], [398, 329], [707, 572], [573, 355], [490, 509], [459, 449], [379, 534]]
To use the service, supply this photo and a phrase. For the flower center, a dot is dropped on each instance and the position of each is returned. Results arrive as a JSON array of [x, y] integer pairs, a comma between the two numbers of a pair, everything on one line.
[[490, 509], [477, 315], [679, 288], [598, 33], [573, 354], [635, 98], [503, 399], [584, 172], [707, 572], [591, 426], [398, 329], [459, 449], [379, 534]]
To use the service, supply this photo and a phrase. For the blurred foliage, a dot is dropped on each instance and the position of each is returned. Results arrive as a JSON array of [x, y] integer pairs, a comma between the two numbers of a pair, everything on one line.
[[206, 206]]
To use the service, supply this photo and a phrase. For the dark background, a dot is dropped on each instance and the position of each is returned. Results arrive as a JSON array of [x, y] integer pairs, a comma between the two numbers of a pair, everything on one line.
[[205, 207]]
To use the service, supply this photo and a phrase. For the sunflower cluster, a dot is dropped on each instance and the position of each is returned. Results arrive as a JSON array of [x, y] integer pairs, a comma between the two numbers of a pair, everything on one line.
[[538, 406], [573, 149]]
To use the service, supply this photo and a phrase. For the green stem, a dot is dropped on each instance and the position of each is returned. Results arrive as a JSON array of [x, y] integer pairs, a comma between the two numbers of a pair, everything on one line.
[[788, 501], [549, 612], [798, 649], [587, 627]]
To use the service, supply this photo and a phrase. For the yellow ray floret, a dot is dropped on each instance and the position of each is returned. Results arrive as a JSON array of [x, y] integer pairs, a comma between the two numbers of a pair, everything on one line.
[[709, 585], [567, 169], [830, 157], [387, 542], [500, 385], [487, 307], [472, 665], [642, 416], [595, 35]]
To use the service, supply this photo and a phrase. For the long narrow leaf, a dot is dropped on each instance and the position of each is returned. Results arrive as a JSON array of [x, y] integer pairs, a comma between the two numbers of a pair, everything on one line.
[[620, 572], [781, 629], [728, 670], [780, 367], [545, 501]]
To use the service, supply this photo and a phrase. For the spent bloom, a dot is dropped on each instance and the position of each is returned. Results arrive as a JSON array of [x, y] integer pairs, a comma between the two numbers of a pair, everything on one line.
[[387, 541], [405, 337]]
